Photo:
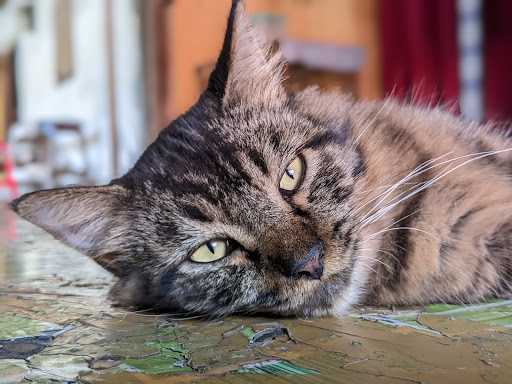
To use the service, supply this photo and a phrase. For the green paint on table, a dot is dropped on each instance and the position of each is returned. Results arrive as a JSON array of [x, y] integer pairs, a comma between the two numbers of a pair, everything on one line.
[[172, 357], [277, 367]]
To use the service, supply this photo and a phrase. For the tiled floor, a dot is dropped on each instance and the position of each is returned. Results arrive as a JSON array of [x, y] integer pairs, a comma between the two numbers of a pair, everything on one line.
[[56, 325]]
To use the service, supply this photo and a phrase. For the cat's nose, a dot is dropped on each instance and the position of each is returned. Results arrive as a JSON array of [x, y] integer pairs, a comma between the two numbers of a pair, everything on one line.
[[312, 266]]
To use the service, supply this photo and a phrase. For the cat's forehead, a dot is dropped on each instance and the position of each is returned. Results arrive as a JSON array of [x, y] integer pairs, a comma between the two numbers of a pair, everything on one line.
[[227, 149], [220, 145], [205, 142], [281, 128]]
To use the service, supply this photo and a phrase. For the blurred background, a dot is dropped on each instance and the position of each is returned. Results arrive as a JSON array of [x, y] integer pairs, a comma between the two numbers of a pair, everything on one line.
[[86, 85]]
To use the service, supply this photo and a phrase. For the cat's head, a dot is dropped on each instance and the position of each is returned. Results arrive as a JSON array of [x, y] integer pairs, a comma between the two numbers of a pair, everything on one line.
[[241, 204]]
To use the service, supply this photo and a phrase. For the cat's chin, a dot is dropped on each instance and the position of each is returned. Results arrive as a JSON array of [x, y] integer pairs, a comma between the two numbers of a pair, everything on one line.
[[134, 292], [130, 292], [353, 293]]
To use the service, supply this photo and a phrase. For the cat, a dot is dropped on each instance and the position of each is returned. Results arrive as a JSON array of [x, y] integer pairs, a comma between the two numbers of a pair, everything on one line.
[[260, 201]]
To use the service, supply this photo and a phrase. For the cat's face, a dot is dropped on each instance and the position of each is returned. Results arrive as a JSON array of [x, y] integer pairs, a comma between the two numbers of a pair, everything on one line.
[[241, 205], [245, 212]]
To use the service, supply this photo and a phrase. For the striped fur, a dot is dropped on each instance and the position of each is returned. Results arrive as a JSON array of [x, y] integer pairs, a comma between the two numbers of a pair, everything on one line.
[[411, 204]]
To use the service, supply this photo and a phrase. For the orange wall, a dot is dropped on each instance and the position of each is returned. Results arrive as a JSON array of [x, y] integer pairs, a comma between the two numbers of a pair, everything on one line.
[[344, 22], [195, 30]]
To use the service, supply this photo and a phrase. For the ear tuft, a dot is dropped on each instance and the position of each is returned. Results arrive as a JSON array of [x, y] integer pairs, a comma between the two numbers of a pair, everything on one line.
[[219, 77], [247, 70]]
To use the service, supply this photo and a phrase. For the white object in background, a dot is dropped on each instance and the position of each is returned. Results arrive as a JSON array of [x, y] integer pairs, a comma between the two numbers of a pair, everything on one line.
[[68, 152], [34, 174], [22, 152], [470, 37], [19, 131]]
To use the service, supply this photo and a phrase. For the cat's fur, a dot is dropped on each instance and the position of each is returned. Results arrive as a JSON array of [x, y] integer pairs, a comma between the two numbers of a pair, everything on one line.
[[413, 205]]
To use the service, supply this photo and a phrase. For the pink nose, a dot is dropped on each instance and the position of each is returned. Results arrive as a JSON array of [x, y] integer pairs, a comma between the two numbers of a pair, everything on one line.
[[312, 266]]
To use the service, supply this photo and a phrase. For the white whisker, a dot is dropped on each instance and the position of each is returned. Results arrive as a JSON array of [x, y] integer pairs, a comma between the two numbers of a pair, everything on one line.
[[385, 252], [403, 228], [423, 167], [369, 124], [429, 183]]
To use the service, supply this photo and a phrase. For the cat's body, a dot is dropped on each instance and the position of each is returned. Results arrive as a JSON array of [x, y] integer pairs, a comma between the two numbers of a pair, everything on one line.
[[447, 234], [260, 201]]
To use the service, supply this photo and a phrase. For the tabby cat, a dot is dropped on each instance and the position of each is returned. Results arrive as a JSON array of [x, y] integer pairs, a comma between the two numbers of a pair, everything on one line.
[[257, 200]]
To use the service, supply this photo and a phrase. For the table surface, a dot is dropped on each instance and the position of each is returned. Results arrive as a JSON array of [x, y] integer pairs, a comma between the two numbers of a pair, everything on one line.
[[57, 325]]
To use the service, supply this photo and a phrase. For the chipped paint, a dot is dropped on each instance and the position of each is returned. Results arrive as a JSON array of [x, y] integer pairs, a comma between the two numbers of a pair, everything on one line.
[[171, 357], [13, 371], [276, 367]]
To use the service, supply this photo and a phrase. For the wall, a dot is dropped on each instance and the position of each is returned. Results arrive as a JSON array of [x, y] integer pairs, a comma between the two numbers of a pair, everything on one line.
[[7, 38], [84, 96], [343, 22], [8, 21], [195, 30], [128, 62], [4, 84]]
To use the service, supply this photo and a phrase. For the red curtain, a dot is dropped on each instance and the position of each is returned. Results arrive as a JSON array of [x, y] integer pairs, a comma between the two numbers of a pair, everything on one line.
[[419, 49], [420, 55], [498, 59]]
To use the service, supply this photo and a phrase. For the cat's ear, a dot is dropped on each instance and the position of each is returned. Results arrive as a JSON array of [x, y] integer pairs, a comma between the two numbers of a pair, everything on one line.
[[85, 218], [247, 70]]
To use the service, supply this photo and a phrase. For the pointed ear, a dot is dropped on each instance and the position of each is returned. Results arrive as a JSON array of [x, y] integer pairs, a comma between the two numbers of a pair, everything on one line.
[[85, 218], [247, 69]]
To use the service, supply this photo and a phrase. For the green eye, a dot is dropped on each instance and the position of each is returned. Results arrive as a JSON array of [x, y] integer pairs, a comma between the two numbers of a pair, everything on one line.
[[210, 251], [292, 176]]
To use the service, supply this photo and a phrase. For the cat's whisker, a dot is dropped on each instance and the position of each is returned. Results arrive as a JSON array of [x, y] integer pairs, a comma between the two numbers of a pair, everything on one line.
[[366, 266], [387, 266], [425, 185], [360, 222], [137, 311], [423, 167], [187, 318], [179, 315], [373, 235], [402, 218], [414, 184], [385, 252], [369, 124], [360, 225], [367, 191], [432, 181], [151, 309]]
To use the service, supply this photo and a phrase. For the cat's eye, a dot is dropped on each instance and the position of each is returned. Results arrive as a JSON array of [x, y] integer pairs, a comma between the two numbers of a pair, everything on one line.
[[210, 251], [293, 175]]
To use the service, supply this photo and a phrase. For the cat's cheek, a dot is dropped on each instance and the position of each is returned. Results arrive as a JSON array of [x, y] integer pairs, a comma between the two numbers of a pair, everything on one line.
[[194, 270]]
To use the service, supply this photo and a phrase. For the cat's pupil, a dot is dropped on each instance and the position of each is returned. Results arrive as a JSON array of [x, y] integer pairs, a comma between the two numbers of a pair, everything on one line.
[[211, 246], [290, 173]]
